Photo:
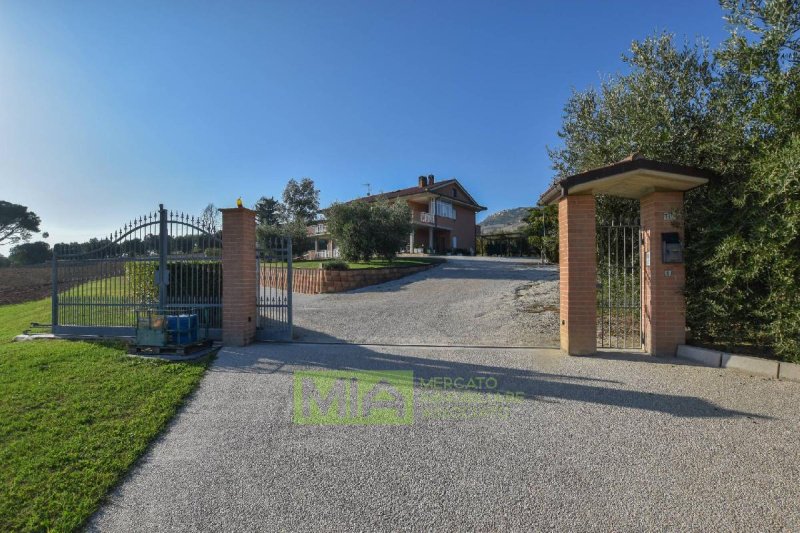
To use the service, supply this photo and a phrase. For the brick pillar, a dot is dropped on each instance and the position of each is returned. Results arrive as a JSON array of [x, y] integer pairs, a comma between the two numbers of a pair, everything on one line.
[[239, 280], [578, 272], [663, 305]]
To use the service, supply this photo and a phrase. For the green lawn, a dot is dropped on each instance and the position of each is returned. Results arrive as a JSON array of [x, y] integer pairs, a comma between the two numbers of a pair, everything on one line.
[[74, 416], [376, 263]]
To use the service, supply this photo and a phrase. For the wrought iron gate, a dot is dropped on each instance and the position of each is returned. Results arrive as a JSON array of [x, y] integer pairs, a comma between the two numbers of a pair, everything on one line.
[[274, 298], [163, 260], [619, 306]]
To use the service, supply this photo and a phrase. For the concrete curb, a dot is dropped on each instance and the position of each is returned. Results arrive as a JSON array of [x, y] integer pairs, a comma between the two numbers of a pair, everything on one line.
[[789, 371], [700, 355], [752, 365], [743, 363]]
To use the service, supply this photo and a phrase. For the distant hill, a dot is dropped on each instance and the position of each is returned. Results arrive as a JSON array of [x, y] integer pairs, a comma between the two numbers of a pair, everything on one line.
[[505, 221]]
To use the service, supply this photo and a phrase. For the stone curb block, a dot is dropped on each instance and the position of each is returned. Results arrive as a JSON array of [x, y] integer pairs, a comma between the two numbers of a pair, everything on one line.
[[700, 355], [789, 371], [752, 365]]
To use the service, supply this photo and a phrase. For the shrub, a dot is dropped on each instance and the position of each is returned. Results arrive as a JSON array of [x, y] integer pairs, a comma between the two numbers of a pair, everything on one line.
[[188, 280], [390, 226], [350, 226], [195, 280], [366, 229], [141, 278], [334, 264]]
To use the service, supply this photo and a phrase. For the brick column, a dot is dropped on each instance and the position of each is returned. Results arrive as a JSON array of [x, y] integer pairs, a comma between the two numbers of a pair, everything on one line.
[[578, 272], [239, 280], [663, 305]]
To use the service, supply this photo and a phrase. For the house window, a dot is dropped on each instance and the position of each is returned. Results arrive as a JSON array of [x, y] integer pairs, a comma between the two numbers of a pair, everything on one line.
[[445, 209], [455, 193]]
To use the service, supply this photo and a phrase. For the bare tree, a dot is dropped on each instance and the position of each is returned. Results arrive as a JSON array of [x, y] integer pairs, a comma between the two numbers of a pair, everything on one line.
[[210, 219]]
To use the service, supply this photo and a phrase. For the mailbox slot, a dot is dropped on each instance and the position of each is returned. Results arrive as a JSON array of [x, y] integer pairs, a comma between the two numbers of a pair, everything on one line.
[[671, 248]]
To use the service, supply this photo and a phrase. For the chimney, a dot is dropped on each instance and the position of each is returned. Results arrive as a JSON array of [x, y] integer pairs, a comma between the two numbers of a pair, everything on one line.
[[423, 181], [430, 179]]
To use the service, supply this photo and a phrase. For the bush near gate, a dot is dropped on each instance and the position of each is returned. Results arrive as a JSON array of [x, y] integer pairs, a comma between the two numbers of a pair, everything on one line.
[[187, 280], [140, 277], [334, 264], [195, 279]]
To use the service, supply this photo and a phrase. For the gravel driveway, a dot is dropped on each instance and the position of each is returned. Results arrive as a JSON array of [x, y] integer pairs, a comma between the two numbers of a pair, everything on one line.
[[471, 301], [610, 442]]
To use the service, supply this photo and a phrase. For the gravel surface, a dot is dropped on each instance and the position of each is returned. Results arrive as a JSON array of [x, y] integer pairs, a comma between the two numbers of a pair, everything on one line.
[[470, 301], [609, 442]]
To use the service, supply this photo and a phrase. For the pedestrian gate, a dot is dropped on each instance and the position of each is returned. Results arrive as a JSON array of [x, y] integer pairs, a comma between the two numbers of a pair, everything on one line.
[[619, 306], [163, 260], [274, 298]]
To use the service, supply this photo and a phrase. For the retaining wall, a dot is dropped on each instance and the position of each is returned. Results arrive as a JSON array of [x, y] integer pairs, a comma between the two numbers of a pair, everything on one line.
[[317, 280]]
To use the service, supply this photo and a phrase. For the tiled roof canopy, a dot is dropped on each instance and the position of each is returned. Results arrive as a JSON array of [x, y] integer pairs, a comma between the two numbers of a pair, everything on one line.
[[633, 177]]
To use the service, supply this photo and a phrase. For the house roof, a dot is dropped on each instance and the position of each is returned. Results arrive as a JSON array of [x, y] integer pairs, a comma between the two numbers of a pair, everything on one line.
[[633, 177], [432, 189]]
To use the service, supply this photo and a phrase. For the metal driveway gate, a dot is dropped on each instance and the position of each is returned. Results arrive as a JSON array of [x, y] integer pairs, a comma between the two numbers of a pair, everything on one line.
[[164, 260], [619, 302], [274, 298]]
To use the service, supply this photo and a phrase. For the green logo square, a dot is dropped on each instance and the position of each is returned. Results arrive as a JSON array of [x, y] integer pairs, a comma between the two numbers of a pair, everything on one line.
[[350, 397]]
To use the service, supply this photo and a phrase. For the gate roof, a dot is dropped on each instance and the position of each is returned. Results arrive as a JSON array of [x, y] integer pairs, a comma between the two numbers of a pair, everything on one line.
[[633, 177]]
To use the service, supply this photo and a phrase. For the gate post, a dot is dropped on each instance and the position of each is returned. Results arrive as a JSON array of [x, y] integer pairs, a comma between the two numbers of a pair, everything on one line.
[[54, 293], [663, 303], [240, 280], [578, 274], [163, 252]]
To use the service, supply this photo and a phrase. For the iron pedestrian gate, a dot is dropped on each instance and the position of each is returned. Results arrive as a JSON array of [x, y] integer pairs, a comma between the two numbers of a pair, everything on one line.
[[619, 302], [274, 298], [163, 260]]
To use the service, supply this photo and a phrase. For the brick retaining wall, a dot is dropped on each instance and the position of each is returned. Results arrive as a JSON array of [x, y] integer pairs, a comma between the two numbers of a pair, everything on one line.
[[317, 280]]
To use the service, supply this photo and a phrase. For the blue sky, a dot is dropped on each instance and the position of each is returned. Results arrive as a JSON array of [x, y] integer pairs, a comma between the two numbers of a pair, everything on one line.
[[108, 108]]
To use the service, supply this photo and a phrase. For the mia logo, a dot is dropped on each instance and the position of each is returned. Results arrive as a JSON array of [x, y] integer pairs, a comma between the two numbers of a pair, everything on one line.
[[341, 397]]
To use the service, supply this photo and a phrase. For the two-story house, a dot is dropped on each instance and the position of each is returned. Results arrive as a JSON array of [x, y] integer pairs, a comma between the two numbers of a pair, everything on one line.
[[442, 217]]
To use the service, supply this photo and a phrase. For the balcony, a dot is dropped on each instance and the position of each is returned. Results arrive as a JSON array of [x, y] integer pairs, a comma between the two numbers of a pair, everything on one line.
[[423, 218], [317, 229], [324, 254]]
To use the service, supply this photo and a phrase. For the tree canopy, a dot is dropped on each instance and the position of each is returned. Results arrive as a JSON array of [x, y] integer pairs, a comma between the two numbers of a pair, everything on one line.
[[301, 200], [736, 111], [269, 211], [17, 223], [365, 229], [30, 253], [289, 218], [542, 231]]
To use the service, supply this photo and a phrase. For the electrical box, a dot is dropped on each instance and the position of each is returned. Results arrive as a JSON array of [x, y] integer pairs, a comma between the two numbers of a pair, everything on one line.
[[150, 329], [671, 248], [158, 329]]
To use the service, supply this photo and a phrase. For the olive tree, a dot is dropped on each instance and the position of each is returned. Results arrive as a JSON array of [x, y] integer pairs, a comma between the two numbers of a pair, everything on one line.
[[365, 229], [735, 111]]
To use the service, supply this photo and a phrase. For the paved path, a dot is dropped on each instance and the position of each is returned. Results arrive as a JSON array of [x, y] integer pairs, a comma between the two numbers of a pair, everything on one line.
[[601, 443], [466, 301]]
